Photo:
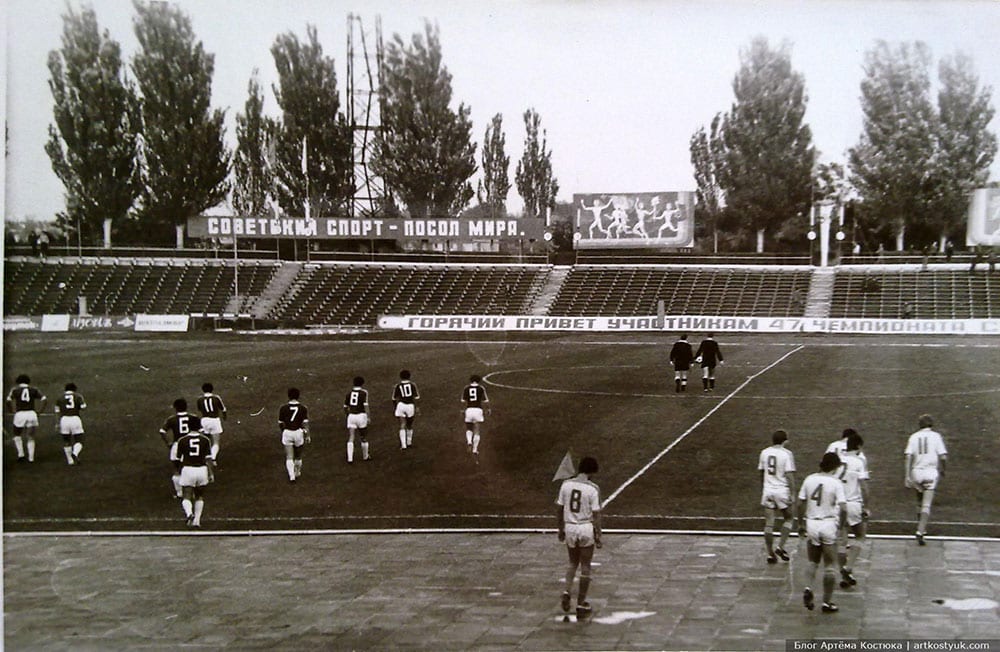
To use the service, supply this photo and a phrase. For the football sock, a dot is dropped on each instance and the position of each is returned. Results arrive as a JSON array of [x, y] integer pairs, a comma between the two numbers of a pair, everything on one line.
[[19, 445], [69, 454], [77, 449], [769, 541], [854, 552], [711, 383], [475, 443], [829, 579], [31, 450], [921, 524], [364, 450], [677, 385], [468, 437], [402, 438], [215, 451], [786, 528], [199, 507], [186, 505], [684, 385], [581, 597], [297, 466], [704, 383], [290, 467], [409, 437], [350, 451], [176, 478]]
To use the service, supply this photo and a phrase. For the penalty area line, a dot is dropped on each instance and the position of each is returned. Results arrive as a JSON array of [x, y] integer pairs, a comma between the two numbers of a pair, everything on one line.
[[687, 432]]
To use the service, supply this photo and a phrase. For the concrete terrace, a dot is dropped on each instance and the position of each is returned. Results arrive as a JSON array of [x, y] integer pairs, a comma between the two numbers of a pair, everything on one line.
[[472, 591]]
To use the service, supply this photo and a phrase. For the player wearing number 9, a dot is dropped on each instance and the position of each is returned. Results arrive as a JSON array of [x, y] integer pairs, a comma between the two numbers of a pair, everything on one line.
[[579, 517]]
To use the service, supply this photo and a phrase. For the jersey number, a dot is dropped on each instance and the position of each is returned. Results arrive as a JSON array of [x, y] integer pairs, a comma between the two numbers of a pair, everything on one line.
[[182, 426], [473, 394], [406, 391], [194, 448], [354, 398], [209, 405], [575, 498], [772, 465], [817, 496], [26, 395], [922, 447], [295, 412], [70, 402]]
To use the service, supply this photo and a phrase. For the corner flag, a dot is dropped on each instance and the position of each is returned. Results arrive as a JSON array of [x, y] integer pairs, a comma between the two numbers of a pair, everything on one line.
[[566, 468]]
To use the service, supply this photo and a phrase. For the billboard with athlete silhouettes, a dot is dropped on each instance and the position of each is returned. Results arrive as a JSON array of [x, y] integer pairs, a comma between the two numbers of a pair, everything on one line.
[[634, 220], [984, 218]]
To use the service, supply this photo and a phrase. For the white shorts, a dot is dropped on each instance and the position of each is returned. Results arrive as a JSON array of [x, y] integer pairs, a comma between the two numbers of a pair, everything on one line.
[[821, 531], [474, 415], [776, 498], [359, 420], [853, 515], [211, 425], [293, 437], [194, 476], [26, 419], [579, 535], [70, 425], [405, 409], [924, 478]]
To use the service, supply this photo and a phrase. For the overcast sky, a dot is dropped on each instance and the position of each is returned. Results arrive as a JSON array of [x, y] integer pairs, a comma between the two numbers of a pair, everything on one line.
[[620, 85]]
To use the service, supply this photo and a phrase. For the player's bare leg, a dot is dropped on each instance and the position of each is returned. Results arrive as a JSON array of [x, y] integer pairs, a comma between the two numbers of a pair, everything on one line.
[[582, 606], [68, 449], [290, 462], [297, 460], [199, 506], [176, 479], [350, 445], [216, 442], [363, 435], [402, 433], [925, 499], [77, 447], [468, 435], [409, 431], [19, 443], [814, 554], [187, 504], [29, 440], [574, 562], [475, 441], [786, 529], [829, 576]]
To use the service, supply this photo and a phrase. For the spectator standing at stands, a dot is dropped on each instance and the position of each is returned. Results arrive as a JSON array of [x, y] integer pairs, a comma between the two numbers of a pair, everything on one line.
[[949, 250], [681, 356], [21, 401], [709, 355], [881, 252], [976, 259], [43, 244], [925, 257], [991, 260], [34, 243]]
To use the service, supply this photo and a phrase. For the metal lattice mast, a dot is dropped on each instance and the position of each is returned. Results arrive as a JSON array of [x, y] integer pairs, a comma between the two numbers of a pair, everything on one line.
[[363, 113]]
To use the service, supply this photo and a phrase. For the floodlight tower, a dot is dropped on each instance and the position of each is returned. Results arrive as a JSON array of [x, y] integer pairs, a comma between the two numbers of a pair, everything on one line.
[[364, 115]]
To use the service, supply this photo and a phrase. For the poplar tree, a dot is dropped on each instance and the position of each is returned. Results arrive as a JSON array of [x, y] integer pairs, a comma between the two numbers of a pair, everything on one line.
[[92, 143], [253, 178], [495, 184], [424, 152], [535, 182], [183, 157]]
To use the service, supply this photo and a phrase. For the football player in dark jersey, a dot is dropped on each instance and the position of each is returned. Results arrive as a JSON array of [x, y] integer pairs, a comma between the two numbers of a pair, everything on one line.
[[176, 426], [476, 406], [21, 401], [293, 420]]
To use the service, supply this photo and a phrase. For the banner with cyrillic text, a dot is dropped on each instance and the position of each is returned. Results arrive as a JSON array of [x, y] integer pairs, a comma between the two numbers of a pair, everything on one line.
[[691, 323], [161, 323]]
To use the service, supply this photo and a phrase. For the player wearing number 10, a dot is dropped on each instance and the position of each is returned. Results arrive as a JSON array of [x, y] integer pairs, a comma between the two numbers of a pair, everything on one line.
[[405, 396], [579, 517]]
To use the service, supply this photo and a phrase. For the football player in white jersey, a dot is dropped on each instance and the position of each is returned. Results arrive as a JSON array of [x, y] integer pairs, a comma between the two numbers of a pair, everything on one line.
[[926, 456], [579, 517], [840, 445], [854, 475], [777, 469], [821, 507]]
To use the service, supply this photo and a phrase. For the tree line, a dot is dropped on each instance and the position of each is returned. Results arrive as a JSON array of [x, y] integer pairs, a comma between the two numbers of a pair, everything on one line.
[[139, 149], [907, 181]]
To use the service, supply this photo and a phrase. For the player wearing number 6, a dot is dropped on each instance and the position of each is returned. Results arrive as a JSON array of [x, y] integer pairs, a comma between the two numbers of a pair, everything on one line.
[[293, 420], [404, 396], [579, 517], [193, 453], [925, 460], [179, 424], [821, 507]]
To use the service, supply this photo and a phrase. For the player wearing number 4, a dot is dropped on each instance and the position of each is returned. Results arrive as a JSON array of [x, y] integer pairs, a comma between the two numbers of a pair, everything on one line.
[[21, 401], [579, 517], [821, 507], [476, 402], [358, 417], [405, 396], [926, 456], [70, 425], [193, 454], [777, 469], [293, 420]]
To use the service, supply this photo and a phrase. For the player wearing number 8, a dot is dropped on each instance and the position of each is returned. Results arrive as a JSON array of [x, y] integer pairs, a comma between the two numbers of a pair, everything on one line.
[[358, 417], [579, 518], [926, 456]]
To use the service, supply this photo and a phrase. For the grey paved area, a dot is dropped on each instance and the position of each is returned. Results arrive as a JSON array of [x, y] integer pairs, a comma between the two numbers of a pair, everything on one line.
[[471, 591]]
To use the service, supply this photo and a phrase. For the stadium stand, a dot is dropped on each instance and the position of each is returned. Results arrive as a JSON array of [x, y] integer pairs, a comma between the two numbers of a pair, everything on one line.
[[894, 292], [592, 290]]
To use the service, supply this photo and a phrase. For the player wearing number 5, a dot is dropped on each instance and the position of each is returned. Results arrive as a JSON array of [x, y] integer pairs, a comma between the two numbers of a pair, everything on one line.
[[181, 423], [358, 418], [579, 517], [21, 401], [193, 453], [925, 460], [476, 406], [821, 507], [404, 397], [293, 420], [777, 469], [70, 424]]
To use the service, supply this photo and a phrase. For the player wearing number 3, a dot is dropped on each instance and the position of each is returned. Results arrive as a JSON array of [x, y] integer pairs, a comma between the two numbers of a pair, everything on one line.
[[70, 424], [579, 517], [925, 461]]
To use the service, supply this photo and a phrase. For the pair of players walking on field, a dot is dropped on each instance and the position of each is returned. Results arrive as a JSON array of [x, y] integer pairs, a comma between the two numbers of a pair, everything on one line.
[[26, 401], [682, 356]]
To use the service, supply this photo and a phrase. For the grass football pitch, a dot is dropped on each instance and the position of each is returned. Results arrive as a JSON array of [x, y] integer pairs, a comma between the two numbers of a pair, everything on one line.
[[668, 461]]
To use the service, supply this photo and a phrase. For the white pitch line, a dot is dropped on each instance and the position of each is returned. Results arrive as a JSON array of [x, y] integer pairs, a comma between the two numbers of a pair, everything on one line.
[[696, 424]]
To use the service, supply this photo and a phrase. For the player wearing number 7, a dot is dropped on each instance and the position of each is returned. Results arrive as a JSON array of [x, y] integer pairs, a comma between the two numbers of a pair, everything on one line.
[[579, 517], [926, 456], [293, 419]]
